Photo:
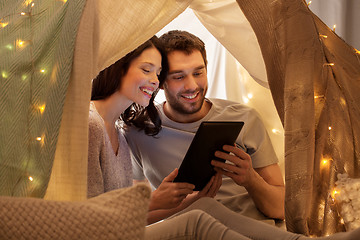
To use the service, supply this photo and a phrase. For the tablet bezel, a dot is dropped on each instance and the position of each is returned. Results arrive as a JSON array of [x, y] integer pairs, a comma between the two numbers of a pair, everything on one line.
[[210, 136]]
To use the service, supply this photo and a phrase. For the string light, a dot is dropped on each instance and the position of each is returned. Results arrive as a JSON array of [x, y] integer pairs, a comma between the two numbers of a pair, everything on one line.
[[323, 36], [24, 77], [357, 51], [325, 162], [42, 108], [31, 178], [28, 2], [9, 46], [309, 3], [329, 128], [246, 100], [319, 96], [4, 74], [276, 131], [250, 95], [3, 24], [334, 27], [334, 193], [329, 64], [38, 139]]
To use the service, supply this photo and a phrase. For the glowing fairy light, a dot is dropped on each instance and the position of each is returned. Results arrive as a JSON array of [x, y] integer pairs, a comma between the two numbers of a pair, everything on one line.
[[275, 131], [28, 2], [4, 74], [3, 24], [31, 178], [318, 96], [334, 193], [20, 43], [324, 162], [309, 3], [9, 47], [357, 51], [42, 70], [323, 36], [24, 77], [334, 27], [32, 4], [38, 139], [24, 13], [41, 108], [250, 95], [245, 99], [329, 128], [329, 64]]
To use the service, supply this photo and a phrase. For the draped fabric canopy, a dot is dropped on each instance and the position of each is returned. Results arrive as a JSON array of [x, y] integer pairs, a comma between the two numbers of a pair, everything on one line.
[[287, 51]]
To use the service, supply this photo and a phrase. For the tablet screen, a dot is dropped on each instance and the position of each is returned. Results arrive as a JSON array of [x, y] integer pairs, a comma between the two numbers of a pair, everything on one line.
[[196, 166]]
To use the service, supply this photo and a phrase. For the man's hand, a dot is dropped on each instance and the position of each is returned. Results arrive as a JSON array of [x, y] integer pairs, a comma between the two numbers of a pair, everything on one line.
[[241, 170], [170, 194]]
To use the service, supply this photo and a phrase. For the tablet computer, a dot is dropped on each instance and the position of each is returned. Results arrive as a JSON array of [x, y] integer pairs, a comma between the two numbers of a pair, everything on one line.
[[196, 166]]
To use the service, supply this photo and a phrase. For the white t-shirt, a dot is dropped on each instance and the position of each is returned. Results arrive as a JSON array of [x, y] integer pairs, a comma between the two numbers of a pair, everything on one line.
[[155, 157]]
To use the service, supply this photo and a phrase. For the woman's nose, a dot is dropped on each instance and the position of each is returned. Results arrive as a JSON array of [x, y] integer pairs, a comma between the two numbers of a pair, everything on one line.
[[155, 80]]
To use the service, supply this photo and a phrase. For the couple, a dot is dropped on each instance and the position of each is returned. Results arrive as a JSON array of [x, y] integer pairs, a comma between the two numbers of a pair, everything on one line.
[[177, 64]]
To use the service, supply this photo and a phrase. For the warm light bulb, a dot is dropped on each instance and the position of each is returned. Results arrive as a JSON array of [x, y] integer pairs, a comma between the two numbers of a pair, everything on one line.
[[274, 130], [250, 95], [329, 64], [4, 74], [9, 46], [33, 4], [324, 36], [334, 193], [309, 3], [245, 99], [334, 27], [357, 51], [38, 139], [31, 178], [41, 108], [23, 13], [28, 2], [20, 43], [324, 162], [3, 24], [42, 71], [329, 128]]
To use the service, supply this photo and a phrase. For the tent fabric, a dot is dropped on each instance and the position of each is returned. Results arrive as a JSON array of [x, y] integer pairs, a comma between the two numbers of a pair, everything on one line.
[[299, 64], [37, 43], [314, 79]]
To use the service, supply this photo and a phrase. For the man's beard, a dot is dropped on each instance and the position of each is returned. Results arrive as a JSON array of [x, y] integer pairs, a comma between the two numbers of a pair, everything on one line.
[[186, 108]]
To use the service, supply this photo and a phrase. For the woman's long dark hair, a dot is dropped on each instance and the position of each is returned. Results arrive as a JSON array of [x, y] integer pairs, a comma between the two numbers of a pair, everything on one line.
[[109, 81]]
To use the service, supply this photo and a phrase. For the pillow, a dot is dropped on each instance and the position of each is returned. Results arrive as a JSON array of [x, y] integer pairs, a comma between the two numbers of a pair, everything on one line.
[[347, 195], [119, 214]]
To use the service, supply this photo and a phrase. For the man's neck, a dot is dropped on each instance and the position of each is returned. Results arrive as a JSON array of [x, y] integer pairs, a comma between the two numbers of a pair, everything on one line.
[[187, 118]]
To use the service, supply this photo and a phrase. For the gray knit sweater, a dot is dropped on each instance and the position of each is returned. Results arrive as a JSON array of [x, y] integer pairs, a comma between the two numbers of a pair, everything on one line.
[[106, 170]]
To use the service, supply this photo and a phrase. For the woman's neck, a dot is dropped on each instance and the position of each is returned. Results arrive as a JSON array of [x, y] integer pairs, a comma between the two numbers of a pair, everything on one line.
[[112, 107]]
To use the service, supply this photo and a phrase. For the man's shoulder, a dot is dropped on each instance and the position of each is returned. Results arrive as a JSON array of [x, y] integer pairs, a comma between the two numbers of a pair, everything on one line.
[[231, 106]]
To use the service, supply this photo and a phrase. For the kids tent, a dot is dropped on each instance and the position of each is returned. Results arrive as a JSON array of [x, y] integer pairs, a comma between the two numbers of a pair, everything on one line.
[[52, 49]]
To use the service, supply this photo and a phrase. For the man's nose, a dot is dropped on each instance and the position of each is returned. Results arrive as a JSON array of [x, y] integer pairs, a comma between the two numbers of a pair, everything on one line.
[[190, 83]]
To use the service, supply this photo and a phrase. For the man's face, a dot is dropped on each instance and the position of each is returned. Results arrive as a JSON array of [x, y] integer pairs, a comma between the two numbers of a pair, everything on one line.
[[185, 86]]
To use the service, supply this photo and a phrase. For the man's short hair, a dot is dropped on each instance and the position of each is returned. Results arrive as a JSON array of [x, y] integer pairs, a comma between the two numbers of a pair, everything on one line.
[[184, 41]]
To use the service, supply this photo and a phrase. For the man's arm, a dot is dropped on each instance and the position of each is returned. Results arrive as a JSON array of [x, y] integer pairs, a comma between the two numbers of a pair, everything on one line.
[[265, 185]]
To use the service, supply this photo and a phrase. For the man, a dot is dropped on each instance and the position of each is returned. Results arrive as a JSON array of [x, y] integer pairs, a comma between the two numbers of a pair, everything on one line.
[[251, 166]]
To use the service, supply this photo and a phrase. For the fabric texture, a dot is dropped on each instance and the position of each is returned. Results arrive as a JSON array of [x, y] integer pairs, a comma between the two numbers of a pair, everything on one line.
[[103, 217], [36, 57], [314, 79], [155, 158], [106, 170]]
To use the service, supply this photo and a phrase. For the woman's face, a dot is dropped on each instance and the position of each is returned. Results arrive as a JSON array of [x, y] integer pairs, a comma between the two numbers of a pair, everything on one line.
[[141, 80]]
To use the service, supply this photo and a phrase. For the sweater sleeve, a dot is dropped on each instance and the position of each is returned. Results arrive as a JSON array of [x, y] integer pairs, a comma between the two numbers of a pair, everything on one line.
[[96, 146]]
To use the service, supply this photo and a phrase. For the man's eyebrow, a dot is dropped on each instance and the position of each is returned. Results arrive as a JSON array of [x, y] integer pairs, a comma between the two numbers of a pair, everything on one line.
[[180, 71]]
